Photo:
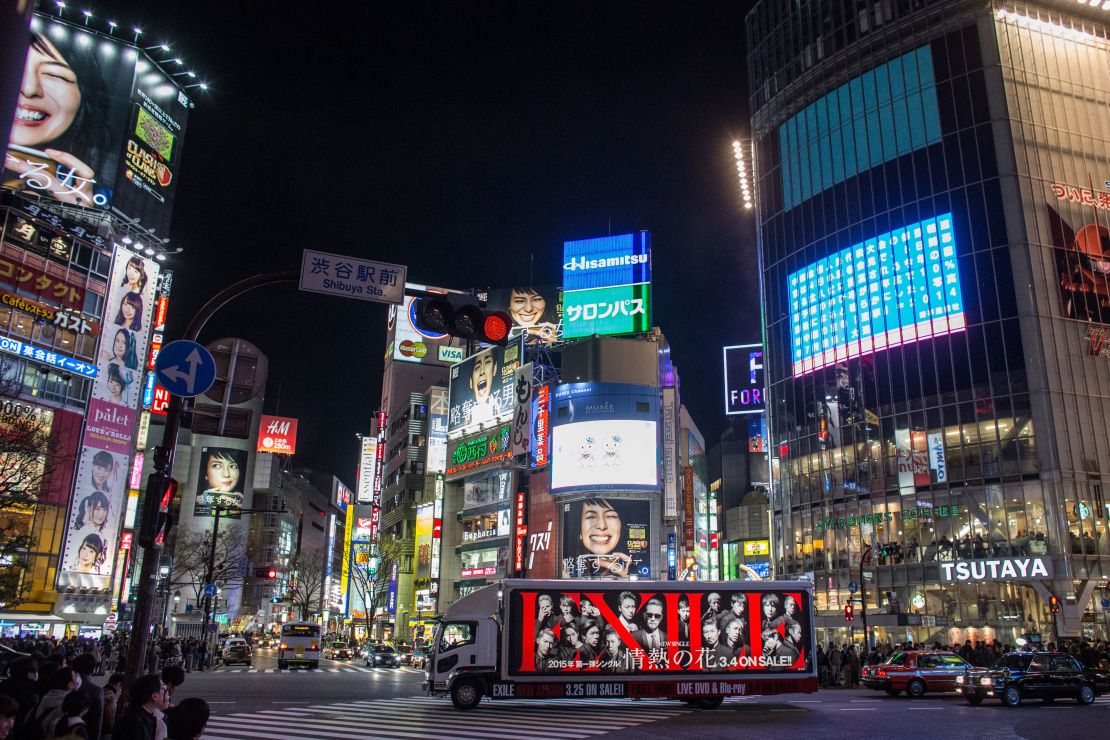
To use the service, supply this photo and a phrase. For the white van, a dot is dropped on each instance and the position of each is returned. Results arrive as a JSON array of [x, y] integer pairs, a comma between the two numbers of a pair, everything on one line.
[[300, 645]]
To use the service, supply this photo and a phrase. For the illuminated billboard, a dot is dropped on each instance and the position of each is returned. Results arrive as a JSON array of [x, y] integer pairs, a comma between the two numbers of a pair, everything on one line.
[[744, 379], [411, 344], [607, 285], [606, 538], [892, 289], [482, 389], [605, 455], [97, 125], [277, 434], [220, 481], [627, 629], [536, 312]]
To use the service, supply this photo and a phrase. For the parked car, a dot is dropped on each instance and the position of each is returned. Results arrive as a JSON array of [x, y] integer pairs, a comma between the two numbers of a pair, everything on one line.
[[1016, 677], [917, 672], [383, 655], [338, 651], [236, 650]]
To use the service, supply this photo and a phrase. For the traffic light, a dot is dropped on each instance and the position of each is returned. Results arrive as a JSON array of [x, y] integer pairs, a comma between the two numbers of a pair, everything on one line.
[[849, 613], [267, 573], [157, 520], [1054, 604], [466, 321]]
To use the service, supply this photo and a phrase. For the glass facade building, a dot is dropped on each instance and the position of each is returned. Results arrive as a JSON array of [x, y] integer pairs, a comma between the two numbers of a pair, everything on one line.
[[933, 185]]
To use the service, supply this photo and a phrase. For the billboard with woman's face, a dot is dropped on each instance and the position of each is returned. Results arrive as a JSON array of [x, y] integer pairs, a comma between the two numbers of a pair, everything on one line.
[[222, 477], [606, 538], [97, 124]]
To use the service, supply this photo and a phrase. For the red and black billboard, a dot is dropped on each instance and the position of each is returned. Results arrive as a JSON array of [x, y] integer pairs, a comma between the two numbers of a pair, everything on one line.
[[658, 630]]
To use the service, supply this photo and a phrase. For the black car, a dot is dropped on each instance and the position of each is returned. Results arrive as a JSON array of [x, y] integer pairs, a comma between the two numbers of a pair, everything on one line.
[[383, 655], [1034, 675]]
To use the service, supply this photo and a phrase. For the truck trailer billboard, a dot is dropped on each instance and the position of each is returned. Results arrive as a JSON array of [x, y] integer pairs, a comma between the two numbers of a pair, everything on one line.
[[658, 629]]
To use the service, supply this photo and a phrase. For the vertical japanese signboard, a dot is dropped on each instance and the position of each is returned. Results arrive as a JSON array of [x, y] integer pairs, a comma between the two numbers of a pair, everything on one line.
[[522, 414], [368, 459], [670, 453], [100, 489]]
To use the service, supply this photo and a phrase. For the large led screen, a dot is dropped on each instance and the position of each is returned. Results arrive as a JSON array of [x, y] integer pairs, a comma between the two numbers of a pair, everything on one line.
[[895, 288], [481, 388], [605, 455]]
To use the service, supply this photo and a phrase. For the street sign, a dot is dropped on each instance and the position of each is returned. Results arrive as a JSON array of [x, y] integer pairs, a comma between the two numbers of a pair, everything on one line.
[[868, 575], [852, 587], [210, 590], [185, 368], [350, 277], [1106, 603]]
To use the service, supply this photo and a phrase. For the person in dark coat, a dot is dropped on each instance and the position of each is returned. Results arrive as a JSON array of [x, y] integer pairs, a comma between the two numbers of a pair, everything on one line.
[[22, 686], [85, 664], [148, 699]]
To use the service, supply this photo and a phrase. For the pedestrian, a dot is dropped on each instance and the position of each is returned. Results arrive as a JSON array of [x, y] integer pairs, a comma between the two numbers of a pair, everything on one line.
[[144, 714], [835, 661], [62, 681], [71, 725], [853, 667], [9, 713], [21, 685], [187, 720], [112, 691], [173, 676], [85, 664]]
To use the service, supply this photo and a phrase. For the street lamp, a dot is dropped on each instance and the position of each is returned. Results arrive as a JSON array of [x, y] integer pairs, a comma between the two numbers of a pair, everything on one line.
[[176, 599]]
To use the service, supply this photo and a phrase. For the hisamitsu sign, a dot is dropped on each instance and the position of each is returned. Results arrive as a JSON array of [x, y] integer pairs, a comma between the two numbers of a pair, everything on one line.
[[350, 277], [996, 569]]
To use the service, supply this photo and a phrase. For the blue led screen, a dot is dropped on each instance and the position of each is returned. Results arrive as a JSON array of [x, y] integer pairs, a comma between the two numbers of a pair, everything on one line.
[[895, 288], [607, 261], [884, 113]]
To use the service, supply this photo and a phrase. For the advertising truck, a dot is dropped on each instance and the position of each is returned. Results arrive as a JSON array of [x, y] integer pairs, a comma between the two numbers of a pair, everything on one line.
[[698, 642]]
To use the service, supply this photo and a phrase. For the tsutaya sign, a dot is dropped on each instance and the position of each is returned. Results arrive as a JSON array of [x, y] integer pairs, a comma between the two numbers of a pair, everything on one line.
[[998, 569]]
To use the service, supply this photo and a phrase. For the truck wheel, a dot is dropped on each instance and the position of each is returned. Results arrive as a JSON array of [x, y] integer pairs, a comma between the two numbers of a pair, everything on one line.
[[915, 689], [466, 694], [710, 702]]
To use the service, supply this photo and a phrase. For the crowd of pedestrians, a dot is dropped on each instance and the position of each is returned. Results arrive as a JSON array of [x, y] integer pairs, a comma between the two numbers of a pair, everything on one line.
[[50, 691]]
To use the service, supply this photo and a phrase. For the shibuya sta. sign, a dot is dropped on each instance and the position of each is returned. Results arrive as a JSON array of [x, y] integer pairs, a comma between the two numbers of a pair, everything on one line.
[[996, 569]]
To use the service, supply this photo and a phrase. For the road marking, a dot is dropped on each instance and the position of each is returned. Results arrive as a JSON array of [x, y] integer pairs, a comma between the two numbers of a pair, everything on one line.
[[334, 670], [253, 670], [804, 701], [858, 709]]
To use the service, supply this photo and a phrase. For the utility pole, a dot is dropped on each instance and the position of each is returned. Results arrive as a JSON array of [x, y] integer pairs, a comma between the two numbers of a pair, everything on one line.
[[863, 598], [162, 475]]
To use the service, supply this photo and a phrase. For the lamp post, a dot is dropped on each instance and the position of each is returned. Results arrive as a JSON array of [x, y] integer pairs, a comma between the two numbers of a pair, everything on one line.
[[164, 574]]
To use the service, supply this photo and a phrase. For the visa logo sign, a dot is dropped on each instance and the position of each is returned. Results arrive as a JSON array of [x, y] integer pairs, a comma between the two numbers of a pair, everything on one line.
[[451, 354]]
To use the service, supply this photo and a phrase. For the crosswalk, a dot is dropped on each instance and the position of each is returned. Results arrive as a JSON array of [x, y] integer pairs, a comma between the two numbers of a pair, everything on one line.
[[345, 669], [429, 718]]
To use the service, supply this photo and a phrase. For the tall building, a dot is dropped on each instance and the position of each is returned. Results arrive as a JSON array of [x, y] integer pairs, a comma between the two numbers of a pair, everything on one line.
[[933, 184]]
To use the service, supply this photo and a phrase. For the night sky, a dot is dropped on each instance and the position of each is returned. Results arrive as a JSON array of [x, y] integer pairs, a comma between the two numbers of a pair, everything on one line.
[[467, 141]]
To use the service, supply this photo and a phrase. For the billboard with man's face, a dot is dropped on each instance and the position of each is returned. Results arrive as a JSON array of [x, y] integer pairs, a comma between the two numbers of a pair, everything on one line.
[[482, 388], [537, 312], [606, 538], [97, 124]]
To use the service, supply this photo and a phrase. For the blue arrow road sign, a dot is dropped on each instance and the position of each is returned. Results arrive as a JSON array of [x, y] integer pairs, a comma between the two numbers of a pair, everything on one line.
[[210, 590], [853, 587], [185, 368]]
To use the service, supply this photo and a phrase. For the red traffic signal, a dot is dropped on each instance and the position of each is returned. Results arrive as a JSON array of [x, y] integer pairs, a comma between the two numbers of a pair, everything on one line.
[[849, 613], [467, 321], [1054, 604], [271, 573]]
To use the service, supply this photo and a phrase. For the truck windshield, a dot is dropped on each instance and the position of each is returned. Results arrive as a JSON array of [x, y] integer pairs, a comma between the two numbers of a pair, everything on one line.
[[454, 634]]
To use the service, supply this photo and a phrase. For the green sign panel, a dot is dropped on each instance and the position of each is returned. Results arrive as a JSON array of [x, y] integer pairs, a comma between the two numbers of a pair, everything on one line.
[[621, 309], [889, 518], [481, 450]]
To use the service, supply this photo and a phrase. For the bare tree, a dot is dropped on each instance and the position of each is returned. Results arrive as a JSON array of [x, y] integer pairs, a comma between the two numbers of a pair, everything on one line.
[[190, 560], [26, 463], [370, 579], [306, 582]]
